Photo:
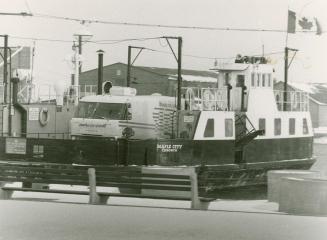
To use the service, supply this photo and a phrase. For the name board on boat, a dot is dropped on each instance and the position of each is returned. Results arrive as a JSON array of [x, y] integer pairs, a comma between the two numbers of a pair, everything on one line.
[[169, 147], [16, 145], [33, 114], [188, 119]]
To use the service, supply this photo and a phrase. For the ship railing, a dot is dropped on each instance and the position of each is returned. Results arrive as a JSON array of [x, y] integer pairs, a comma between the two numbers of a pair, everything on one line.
[[295, 101], [88, 90], [206, 99], [46, 93]]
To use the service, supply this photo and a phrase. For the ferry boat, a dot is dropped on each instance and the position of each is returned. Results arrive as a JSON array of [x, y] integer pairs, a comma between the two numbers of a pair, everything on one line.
[[243, 120], [232, 134]]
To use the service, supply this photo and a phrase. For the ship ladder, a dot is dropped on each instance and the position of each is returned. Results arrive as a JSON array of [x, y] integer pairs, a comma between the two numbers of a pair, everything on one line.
[[244, 135]]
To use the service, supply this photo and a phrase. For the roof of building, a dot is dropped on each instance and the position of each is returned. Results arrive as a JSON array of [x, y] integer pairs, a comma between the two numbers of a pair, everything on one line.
[[316, 91], [171, 73]]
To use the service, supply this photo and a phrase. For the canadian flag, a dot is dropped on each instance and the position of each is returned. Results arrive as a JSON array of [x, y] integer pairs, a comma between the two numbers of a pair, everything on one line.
[[302, 24]]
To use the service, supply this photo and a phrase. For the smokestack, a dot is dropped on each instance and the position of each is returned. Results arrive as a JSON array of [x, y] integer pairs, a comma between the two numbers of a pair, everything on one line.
[[100, 71]]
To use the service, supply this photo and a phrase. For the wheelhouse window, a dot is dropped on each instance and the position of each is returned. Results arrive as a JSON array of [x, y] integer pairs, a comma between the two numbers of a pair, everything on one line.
[[292, 126], [228, 127], [258, 79], [269, 79], [263, 80], [210, 128], [109, 111], [262, 125], [305, 126], [252, 80], [277, 126]]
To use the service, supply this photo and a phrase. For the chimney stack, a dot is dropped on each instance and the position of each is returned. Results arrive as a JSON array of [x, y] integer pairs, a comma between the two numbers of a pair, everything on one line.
[[100, 71]]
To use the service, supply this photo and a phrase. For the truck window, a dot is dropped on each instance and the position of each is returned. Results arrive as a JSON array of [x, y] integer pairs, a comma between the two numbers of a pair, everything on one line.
[[108, 111]]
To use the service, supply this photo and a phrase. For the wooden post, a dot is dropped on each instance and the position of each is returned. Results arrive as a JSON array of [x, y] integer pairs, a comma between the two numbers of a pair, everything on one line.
[[94, 197], [5, 194], [196, 203]]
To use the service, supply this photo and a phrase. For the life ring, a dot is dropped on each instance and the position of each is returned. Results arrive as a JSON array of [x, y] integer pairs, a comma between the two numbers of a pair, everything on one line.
[[44, 116], [208, 100]]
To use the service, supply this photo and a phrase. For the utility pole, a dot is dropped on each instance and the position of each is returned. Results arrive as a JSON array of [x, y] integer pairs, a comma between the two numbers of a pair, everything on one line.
[[286, 67], [83, 35], [128, 80], [76, 76], [5, 68], [285, 79], [179, 74], [130, 63], [80, 51], [179, 68]]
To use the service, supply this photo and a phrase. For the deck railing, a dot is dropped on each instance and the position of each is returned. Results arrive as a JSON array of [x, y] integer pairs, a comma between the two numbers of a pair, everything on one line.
[[206, 99], [295, 101]]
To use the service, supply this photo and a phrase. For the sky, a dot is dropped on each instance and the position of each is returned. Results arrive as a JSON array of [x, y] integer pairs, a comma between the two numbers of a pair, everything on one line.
[[51, 62]]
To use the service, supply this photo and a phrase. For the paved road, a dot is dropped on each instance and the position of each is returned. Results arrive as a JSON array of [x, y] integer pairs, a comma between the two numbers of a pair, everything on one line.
[[30, 220]]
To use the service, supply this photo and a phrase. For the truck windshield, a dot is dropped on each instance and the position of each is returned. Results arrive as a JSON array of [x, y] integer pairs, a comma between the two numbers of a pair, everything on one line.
[[113, 111]]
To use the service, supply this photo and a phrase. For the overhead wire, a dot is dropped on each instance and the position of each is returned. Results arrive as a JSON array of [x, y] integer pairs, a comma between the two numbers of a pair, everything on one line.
[[80, 20], [116, 41]]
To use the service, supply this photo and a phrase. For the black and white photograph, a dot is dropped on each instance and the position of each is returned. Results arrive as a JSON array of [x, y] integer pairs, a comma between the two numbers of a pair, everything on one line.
[[159, 120]]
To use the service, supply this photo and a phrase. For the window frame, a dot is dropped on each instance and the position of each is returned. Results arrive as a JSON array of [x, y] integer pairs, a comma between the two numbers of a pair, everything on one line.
[[305, 128], [209, 130], [260, 120], [277, 126], [292, 120], [229, 128]]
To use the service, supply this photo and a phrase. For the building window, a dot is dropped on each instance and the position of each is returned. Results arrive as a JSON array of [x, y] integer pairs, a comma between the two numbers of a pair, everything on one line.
[[118, 72], [227, 79], [258, 79], [263, 80], [252, 80], [228, 127], [278, 126], [305, 126], [210, 128], [292, 126], [269, 79], [262, 125]]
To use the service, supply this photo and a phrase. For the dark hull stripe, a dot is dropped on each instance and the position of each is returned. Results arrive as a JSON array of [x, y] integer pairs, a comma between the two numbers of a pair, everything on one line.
[[143, 127], [137, 123], [165, 109]]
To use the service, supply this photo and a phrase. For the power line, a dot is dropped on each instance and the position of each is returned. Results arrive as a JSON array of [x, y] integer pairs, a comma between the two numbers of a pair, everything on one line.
[[42, 39], [105, 41], [40, 15], [214, 58], [117, 41], [83, 21]]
